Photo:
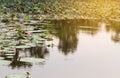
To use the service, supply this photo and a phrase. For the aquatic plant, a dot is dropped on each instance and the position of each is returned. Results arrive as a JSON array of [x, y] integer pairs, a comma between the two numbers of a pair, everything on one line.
[[62, 9]]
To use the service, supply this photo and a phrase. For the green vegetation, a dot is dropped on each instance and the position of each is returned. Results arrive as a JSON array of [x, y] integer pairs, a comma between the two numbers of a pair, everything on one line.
[[24, 24], [64, 9]]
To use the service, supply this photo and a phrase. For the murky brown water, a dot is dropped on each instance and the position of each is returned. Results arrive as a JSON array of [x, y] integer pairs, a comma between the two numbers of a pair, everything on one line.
[[82, 49]]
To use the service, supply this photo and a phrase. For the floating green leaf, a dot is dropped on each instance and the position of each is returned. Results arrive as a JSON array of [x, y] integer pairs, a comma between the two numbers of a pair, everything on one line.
[[9, 57], [9, 54], [30, 59], [31, 44], [16, 76], [4, 62], [49, 39], [23, 46], [36, 31]]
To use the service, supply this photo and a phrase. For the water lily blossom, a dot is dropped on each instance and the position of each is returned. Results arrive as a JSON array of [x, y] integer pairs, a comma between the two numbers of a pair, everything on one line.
[[29, 34], [14, 50]]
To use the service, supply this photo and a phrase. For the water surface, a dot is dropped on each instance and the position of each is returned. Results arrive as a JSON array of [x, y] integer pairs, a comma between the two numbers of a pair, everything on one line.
[[82, 49]]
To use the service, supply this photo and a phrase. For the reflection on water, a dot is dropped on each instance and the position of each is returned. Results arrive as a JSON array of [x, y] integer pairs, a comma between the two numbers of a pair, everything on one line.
[[88, 51], [115, 29], [37, 52], [67, 31], [89, 27]]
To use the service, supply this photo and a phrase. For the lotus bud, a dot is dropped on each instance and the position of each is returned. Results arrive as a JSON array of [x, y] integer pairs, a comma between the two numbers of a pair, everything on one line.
[[29, 34]]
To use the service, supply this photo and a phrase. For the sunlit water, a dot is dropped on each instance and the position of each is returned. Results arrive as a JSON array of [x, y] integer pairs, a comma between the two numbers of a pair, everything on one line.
[[82, 49]]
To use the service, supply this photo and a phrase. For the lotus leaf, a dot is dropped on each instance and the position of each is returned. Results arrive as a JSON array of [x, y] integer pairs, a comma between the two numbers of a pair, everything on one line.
[[4, 62], [23, 46], [9, 54], [16, 76], [9, 57], [30, 59], [36, 31], [31, 44]]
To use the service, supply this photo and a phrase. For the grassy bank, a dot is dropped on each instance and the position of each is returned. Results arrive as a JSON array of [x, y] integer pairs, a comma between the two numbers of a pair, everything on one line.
[[63, 9]]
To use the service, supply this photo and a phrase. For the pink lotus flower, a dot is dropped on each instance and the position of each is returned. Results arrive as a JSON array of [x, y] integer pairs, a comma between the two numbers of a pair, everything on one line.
[[29, 34], [14, 50]]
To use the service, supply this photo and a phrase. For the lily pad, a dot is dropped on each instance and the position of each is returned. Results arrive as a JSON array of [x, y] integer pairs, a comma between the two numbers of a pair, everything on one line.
[[41, 39], [33, 60], [9, 54], [4, 62], [36, 31], [26, 41], [49, 39], [23, 46], [39, 42], [10, 57], [16, 76], [31, 44]]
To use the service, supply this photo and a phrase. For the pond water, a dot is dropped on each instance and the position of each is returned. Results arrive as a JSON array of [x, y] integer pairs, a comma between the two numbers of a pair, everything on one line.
[[81, 49]]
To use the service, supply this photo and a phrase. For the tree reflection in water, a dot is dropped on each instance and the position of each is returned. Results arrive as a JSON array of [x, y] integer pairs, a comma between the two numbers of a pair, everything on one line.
[[67, 31], [37, 52], [115, 29], [67, 34], [89, 27]]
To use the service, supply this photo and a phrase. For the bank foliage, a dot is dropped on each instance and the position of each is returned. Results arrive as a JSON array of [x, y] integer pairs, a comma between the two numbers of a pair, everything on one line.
[[64, 8]]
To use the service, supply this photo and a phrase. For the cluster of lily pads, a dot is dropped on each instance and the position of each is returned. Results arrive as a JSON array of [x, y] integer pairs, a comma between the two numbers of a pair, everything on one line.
[[20, 33]]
